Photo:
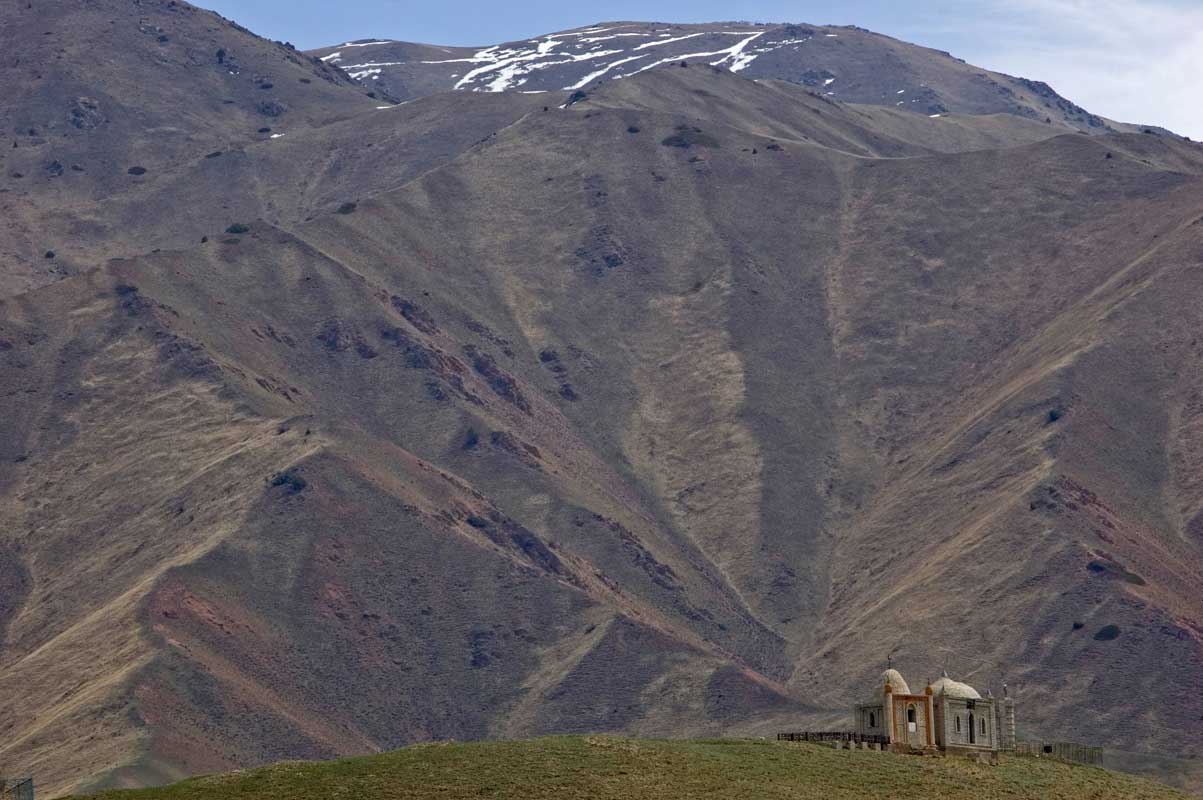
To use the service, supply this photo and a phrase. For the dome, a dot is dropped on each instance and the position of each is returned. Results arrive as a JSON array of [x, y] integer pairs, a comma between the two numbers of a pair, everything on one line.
[[948, 687], [897, 684]]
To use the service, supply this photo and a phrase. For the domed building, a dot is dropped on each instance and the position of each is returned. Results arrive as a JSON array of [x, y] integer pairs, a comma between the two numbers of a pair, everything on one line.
[[947, 715]]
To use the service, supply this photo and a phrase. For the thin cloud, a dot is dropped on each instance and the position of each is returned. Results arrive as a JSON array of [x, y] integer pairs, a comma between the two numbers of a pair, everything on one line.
[[1134, 61]]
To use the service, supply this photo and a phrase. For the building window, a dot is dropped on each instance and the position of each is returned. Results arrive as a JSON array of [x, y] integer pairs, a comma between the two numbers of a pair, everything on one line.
[[983, 726], [958, 723], [910, 719], [872, 720]]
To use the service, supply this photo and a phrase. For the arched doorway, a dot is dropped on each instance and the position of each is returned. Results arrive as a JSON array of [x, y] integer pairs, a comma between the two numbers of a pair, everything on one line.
[[972, 735]]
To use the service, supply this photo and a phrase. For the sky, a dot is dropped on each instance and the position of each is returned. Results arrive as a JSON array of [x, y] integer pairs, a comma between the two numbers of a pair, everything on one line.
[[1131, 60]]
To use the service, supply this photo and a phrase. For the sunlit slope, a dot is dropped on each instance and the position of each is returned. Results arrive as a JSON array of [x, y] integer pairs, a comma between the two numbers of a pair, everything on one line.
[[605, 767]]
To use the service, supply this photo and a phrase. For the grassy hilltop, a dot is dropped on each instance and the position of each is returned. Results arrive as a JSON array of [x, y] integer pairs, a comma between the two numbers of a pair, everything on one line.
[[603, 767]]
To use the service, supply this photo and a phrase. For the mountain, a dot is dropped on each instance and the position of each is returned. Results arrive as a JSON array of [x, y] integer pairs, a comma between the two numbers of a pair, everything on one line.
[[672, 410], [612, 768], [847, 63], [101, 96]]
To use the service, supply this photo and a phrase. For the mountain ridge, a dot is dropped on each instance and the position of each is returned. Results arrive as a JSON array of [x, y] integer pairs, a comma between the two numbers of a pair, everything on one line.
[[667, 411], [865, 67]]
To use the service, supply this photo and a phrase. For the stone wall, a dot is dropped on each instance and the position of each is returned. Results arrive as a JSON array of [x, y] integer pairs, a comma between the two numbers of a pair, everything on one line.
[[954, 711], [870, 719]]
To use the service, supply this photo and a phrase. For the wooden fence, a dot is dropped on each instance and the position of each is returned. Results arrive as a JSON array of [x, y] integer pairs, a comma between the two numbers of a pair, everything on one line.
[[833, 736], [1066, 751], [19, 789]]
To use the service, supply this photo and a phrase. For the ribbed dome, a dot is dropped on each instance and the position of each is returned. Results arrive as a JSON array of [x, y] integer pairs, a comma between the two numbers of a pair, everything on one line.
[[950, 688], [897, 683]]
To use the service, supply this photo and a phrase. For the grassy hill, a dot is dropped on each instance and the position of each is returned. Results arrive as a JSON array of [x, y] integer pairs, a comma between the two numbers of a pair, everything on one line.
[[608, 767]]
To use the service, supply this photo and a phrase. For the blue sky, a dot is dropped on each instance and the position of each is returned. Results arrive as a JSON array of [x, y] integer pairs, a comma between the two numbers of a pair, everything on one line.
[[1132, 60]]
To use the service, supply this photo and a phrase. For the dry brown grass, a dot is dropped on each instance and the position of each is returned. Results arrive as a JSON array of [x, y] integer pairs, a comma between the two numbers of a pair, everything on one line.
[[609, 768]]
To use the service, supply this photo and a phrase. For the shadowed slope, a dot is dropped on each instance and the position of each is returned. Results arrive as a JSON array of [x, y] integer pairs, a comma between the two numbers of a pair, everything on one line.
[[777, 109]]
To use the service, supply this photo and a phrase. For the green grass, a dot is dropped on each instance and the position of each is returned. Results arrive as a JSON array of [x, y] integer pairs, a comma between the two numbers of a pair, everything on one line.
[[610, 768]]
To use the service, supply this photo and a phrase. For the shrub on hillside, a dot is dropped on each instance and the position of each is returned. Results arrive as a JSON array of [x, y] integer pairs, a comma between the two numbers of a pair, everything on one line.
[[290, 480], [687, 137]]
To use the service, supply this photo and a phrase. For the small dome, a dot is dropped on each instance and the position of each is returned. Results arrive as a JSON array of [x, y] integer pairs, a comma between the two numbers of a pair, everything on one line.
[[948, 687], [896, 681]]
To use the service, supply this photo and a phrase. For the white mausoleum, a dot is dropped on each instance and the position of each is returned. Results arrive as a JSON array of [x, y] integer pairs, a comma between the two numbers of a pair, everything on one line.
[[946, 716]]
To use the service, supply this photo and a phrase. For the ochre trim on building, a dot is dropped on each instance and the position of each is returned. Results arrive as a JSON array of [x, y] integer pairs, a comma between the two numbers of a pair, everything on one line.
[[901, 733]]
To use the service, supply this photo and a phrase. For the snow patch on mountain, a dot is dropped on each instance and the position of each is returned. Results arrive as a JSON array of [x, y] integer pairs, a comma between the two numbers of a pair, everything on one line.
[[508, 67], [734, 53], [613, 51], [592, 76]]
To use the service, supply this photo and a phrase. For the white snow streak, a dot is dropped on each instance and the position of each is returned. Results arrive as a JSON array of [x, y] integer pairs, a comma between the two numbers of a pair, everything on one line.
[[476, 59], [512, 64], [611, 36], [592, 76], [731, 52], [370, 64], [669, 41], [737, 57]]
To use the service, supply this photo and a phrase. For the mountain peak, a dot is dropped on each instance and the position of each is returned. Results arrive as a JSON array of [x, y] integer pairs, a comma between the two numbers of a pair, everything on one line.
[[845, 62]]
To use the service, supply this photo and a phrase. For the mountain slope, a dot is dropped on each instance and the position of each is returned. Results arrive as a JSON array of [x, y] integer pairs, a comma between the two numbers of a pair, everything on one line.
[[622, 419], [105, 94], [671, 410], [844, 62]]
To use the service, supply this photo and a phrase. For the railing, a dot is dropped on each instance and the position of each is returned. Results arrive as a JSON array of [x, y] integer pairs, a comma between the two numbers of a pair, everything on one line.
[[19, 789], [1066, 751], [833, 736]]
